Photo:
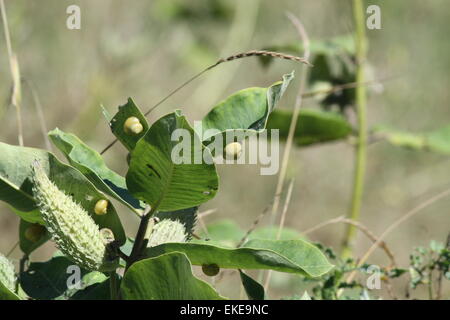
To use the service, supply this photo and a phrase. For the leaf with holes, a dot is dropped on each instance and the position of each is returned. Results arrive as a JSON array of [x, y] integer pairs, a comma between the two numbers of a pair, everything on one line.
[[117, 124], [153, 175], [247, 109]]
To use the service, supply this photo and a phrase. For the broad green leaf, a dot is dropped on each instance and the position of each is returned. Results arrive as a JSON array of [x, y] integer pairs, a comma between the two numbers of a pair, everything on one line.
[[155, 178], [37, 232], [293, 256], [437, 141], [313, 126], [167, 277], [91, 164], [48, 280], [227, 233], [247, 109], [16, 186], [96, 286], [254, 290], [125, 111], [6, 294]]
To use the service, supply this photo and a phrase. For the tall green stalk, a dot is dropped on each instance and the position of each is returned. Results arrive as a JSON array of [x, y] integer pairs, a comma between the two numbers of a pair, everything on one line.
[[361, 101]]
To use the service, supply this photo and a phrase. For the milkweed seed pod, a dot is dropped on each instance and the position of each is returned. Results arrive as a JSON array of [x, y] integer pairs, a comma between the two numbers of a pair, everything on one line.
[[132, 126], [101, 207], [73, 230], [7, 276], [165, 231], [211, 270], [34, 232], [233, 150]]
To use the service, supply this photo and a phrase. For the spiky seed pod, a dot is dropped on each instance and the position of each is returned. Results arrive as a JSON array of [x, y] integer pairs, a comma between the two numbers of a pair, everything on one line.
[[165, 231], [233, 150], [71, 227], [101, 207], [132, 126], [7, 276], [34, 232], [211, 270]]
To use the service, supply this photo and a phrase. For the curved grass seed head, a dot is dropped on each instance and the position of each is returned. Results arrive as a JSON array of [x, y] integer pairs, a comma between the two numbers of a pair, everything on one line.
[[71, 227], [34, 232], [132, 126], [7, 276], [167, 231]]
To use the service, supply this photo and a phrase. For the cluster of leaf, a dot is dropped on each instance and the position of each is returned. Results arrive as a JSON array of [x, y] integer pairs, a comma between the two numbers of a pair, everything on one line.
[[429, 266], [173, 191], [334, 66], [327, 286], [428, 262]]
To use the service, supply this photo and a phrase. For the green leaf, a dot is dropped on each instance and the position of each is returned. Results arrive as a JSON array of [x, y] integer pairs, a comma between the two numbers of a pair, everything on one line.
[[6, 294], [128, 110], [48, 280], [38, 231], [313, 126], [91, 164], [292, 256], [15, 186], [247, 109], [167, 277], [153, 176], [437, 141], [254, 290], [227, 233], [96, 287]]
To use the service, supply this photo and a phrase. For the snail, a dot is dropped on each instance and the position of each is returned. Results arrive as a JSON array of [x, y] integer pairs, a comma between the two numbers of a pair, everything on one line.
[[233, 150], [101, 207], [132, 126]]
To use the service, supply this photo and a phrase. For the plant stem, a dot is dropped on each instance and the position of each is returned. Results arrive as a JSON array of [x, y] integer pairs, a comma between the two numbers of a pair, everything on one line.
[[140, 236], [361, 100], [113, 286], [16, 95]]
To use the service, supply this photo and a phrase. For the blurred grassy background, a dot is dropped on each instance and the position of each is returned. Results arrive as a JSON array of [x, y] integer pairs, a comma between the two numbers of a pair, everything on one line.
[[144, 49]]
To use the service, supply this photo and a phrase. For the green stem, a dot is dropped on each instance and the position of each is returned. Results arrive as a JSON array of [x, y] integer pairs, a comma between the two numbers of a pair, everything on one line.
[[140, 236], [361, 100], [113, 286]]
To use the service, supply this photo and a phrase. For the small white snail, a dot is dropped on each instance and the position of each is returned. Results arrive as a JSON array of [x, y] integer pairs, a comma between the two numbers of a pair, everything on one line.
[[132, 126], [233, 150], [101, 207]]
